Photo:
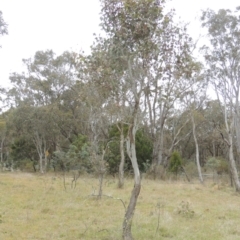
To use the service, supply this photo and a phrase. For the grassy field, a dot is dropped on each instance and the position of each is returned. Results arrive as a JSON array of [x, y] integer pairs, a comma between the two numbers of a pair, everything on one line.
[[38, 207]]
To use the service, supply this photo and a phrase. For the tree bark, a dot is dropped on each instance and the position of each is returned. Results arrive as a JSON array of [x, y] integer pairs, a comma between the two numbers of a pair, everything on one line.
[[41, 164], [237, 130], [197, 150], [160, 148], [2, 144], [122, 162], [232, 162], [38, 141], [131, 150], [127, 223]]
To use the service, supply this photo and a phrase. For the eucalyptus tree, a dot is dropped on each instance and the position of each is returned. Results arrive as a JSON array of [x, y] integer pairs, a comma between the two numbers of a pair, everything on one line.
[[34, 126], [132, 29], [170, 68], [208, 121], [213, 144], [176, 132], [47, 76], [41, 94], [106, 69], [193, 113], [222, 57]]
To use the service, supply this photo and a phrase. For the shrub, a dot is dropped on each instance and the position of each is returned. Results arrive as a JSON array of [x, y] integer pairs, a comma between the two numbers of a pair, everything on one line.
[[175, 164], [217, 165]]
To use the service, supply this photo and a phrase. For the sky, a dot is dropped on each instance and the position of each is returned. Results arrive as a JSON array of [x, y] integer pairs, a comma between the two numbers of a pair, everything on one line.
[[62, 25]]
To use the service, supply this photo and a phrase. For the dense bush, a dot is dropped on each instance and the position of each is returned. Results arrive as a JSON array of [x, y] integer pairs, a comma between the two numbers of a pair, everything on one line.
[[218, 165], [76, 157], [23, 154], [175, 163], [143, 148]]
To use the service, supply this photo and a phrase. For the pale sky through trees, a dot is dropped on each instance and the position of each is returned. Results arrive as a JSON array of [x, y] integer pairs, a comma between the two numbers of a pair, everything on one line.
[[68, 25]]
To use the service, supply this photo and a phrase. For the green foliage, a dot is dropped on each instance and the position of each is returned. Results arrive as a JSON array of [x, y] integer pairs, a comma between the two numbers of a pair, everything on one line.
[[175, 163], [131, 23], [45, 82], [77, 156], [26, 165], [23, 152], [144, 149], [217, 164], [113, 155]]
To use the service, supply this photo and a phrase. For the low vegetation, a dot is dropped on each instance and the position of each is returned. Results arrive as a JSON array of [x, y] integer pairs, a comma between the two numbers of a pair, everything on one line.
[[39, 207]]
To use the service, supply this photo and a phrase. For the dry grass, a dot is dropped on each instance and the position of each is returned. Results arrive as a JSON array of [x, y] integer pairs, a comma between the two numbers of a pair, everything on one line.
[[38, 207]]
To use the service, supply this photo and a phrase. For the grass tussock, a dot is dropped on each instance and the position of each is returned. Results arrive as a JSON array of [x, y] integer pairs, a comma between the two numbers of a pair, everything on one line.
[[39, 207]]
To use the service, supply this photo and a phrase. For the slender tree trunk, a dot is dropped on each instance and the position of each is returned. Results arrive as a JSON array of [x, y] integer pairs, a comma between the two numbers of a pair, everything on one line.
[[160, 148], [154, 160], [131, 150], [100, 179], [197, 151], [41, 163], [232, 162], [214, 149], [237, 130], [127, 223], [101, 171], [122, 162], [45, 165], [38, 141], [33, 165], [157, 152], [2, 143]]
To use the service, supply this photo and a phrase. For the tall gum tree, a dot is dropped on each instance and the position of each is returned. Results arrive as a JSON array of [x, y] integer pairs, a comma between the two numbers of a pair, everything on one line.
[[41, 91], [223, 70], [131, 27]]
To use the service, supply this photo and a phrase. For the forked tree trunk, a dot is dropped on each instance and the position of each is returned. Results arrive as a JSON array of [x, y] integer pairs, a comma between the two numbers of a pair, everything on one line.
[[40, 145], [131, 150]]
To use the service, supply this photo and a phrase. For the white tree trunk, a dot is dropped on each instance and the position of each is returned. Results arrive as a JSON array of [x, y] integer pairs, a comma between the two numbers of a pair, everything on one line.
[[38, 141], [197, 150], [131, 150], [232, 162], [41, 164], [237, 130], [160, 148], [122, 162]]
